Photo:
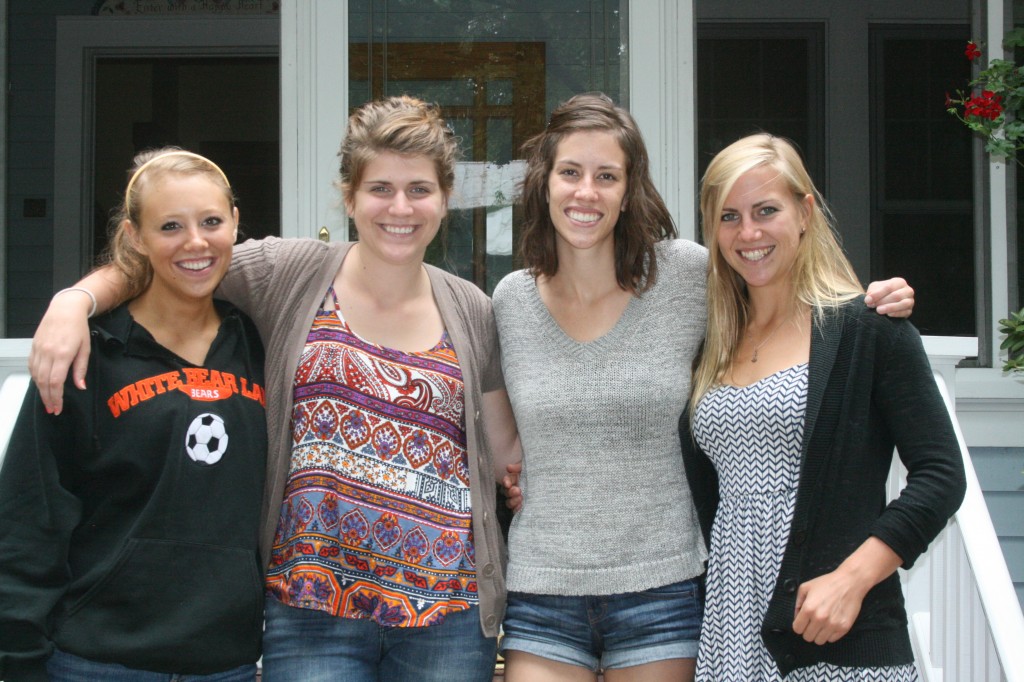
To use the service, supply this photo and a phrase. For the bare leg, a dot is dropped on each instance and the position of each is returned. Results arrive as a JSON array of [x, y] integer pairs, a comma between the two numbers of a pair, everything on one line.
[[523, 667], [671, 670]]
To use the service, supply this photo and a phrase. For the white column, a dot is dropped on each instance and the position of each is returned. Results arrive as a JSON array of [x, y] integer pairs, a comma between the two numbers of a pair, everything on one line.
[[995, 27], [662, 74], [314, 110]]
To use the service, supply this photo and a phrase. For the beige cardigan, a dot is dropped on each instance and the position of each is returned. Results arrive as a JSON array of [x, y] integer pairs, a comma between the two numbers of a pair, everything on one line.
[[280, 283]]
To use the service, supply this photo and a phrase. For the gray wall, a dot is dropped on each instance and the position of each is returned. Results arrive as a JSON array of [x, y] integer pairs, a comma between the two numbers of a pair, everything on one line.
[[31, 43]]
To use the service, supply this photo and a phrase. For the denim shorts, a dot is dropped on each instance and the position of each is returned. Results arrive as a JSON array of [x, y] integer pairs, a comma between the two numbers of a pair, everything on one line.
[[611, 631]]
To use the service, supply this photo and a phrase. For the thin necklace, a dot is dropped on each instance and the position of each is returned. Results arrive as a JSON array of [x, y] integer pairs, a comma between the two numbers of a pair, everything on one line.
[[769, 337]]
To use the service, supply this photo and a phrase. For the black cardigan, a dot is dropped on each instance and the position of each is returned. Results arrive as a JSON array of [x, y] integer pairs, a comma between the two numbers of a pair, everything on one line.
[[870, 388]]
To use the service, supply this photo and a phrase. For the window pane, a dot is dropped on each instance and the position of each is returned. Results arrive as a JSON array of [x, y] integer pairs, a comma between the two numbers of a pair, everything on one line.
[[934, 252], [922, 202], [497, 69], [923, 143], [760, 78]]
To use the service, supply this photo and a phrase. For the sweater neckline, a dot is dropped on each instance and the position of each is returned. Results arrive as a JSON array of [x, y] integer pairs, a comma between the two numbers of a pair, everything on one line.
[[622, 329]]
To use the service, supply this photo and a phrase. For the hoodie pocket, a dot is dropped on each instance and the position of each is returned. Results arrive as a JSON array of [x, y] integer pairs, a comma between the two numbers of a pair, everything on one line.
[[171, 606]]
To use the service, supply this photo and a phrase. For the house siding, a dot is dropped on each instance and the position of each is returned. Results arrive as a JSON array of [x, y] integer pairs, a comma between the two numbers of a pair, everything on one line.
[[1001, 476]]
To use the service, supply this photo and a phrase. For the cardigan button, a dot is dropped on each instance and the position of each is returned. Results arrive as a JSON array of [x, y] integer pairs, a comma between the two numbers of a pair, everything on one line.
[[789, 659], [789, 585], [799, 537], [488, 570], [491, 620]]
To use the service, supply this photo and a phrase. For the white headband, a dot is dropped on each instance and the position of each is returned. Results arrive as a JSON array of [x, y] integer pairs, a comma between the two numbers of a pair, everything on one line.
[[178, 152]]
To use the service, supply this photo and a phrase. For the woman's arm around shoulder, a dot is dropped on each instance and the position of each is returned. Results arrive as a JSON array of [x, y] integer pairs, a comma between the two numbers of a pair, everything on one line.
[[682, 256], [256, 266], [61, 341]]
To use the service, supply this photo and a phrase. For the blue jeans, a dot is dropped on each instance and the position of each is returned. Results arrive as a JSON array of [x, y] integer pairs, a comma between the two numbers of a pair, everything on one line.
[[65, 667], [303, 645], [608, 631]]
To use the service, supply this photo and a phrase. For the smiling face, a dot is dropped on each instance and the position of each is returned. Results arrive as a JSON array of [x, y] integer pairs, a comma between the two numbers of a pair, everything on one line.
[[760, 228], [397, 207], [586, 189], [186, 230]]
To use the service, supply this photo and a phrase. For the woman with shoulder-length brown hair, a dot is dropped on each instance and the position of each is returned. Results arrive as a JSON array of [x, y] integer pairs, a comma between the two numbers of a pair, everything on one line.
[[636, 230]]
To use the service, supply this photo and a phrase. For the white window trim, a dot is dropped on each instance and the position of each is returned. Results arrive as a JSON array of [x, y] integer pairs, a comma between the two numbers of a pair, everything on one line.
[[662, 97], [314, 113], [999, 250]]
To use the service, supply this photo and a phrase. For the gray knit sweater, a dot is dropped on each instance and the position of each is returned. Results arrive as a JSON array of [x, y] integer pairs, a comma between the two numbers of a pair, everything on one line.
[[606, 505]]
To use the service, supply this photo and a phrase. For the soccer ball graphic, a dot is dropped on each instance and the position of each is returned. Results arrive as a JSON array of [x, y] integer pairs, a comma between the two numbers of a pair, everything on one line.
[[206, 440]]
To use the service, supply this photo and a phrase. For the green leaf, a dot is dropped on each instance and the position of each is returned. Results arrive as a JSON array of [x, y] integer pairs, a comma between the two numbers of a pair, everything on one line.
[[1014, 38]]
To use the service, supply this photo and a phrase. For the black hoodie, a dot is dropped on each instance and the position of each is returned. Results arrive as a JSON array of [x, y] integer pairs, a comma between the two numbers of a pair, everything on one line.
[[129, 523]]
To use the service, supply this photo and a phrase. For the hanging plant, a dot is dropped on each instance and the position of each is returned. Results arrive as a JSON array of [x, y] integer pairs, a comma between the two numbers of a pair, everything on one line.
[[992, 105]]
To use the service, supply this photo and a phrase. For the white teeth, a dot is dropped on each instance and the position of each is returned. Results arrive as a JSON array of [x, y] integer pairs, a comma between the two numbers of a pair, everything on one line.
[[398, 229], [196, 264], [582, 217], [756, 254]]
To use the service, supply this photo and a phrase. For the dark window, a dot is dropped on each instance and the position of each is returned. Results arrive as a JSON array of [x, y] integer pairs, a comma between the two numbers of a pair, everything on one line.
[[223, 108], [761, 78], [922, 225]]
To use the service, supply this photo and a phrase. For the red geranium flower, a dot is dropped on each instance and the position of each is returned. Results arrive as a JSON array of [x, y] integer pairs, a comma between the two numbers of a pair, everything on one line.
[[986, 105], [972, 51]]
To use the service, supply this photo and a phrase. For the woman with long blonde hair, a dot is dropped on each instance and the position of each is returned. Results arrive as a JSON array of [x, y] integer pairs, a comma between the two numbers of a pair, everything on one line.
[[798, 400]]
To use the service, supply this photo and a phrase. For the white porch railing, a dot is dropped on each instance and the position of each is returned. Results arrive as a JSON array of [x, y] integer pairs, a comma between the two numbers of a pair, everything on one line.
[[965, 620], [13, 366], [12, 391]]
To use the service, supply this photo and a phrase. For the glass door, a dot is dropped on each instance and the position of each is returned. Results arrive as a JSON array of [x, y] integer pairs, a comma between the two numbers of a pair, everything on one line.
[[496, 69]]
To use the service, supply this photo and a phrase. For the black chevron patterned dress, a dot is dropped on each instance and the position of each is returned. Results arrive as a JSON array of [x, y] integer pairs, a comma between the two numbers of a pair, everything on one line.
[[753, 436]]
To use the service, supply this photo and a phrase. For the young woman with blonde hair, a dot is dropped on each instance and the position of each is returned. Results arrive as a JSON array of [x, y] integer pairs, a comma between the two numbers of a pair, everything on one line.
[[799, 399], [129, 523]]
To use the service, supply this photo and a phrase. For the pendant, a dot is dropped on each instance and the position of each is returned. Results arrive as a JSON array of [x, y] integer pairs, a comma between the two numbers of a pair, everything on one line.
[[754, 359]]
